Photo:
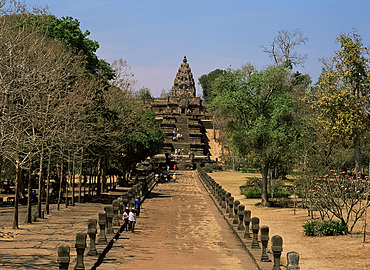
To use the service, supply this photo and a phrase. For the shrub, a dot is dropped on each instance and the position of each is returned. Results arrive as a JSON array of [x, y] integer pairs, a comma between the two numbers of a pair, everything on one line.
[[252, 189], [216, 167], [252, 192], [325, 228], [282, 191], [207, 169], [309, 228]]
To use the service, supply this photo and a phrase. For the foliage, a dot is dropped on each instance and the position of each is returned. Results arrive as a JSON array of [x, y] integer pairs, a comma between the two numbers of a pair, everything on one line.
[[206, 81], [216, 167], [340, 195], [253, 189], [324, 228], [341, 97], [260, 111], [67, 30], [143, 94]]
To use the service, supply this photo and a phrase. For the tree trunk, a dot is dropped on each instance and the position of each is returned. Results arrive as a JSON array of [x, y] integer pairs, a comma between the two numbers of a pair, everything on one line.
[[358, 155], [40, 181], [16, 197], [29, 194], [60, 185], [73, 179], [47, 207], [99, 184], [80, 178], [264, 195], [68, 174], [1, 167]]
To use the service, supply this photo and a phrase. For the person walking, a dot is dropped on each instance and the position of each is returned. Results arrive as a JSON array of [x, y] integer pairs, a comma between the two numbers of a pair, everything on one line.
[[125, 219], [137, 205], [132, 219]]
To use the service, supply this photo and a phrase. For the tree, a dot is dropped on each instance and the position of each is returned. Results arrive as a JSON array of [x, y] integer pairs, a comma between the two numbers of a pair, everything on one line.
[[165, 93], [341, 96], [259, 108], [282, 48], [143, 94], [206, 81], [67, 30]]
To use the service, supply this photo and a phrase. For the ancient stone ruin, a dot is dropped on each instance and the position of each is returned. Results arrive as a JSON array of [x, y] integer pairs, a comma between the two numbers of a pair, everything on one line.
[[184, 120]]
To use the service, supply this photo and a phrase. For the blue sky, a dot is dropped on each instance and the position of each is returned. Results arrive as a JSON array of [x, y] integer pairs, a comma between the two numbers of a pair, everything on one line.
[[154, 36]]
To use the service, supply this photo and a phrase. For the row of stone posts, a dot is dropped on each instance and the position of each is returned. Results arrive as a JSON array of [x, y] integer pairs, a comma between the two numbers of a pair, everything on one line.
[[248, 227], [108, 222]]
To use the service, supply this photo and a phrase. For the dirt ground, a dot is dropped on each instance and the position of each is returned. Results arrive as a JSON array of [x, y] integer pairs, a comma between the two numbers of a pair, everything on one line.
[[335, 252], [179, 227]]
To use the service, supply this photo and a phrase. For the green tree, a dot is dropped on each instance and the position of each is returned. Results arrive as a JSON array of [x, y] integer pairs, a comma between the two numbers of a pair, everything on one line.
[[206, 81], [67, 30], [341, 96], [260, 112], [143, 94]]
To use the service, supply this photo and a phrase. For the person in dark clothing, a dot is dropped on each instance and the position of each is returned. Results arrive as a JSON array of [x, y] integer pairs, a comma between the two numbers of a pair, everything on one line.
[[137, 205]]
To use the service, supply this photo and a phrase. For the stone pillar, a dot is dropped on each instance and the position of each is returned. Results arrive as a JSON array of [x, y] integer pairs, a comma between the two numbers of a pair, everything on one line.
[[109, 210], [115, 205], [293, 261], [125, 200], [131, 198], [63, 257], [236, 219], [228, 195], [265, 241], [247, 221], [276, 248], [223, 202], [255, 229], [80, 248], [241, 217], [102, 238], [220, 190], [231, 206], [121, 209], [91, 231]]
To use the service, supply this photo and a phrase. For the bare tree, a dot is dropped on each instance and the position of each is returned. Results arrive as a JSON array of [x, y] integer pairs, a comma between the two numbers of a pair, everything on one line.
[[283, 48]]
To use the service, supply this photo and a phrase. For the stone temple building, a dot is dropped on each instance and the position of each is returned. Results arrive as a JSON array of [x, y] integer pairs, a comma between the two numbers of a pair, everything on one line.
[[184, 121]]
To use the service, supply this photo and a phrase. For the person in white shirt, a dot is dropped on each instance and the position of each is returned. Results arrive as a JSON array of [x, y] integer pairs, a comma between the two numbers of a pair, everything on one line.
[[132, 219]]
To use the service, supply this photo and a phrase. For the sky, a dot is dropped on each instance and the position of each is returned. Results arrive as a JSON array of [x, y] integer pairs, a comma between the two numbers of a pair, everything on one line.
[[154, 36]]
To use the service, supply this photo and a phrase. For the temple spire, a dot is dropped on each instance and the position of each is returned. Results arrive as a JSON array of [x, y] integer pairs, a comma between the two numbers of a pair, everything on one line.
[[184, 85]]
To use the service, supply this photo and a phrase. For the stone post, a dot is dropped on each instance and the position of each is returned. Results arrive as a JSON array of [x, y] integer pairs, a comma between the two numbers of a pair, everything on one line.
[[120, 201], [91, 231], [223, 202], [236, 219], [63, 257], [131, 198], [231, 205], [102, 238], [220, 190], [247, 221], [125, 200], [109, 210], [277, 248], [255, 229], [241, 217], [228, 195], [80, 248], [265, 241], [115, 205], [293, 261]]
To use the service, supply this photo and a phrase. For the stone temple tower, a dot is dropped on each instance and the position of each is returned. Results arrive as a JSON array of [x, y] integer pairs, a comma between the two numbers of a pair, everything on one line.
[[184, 85]]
